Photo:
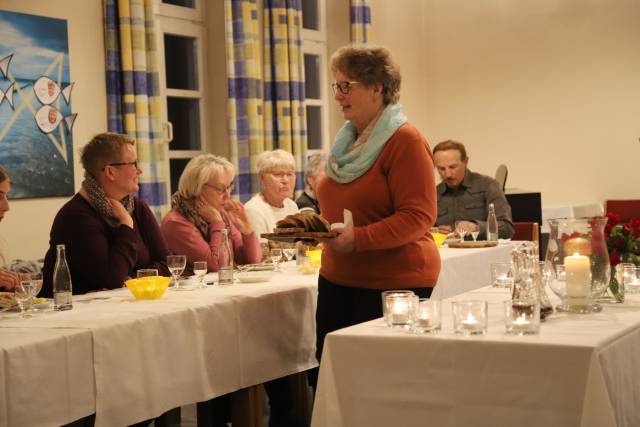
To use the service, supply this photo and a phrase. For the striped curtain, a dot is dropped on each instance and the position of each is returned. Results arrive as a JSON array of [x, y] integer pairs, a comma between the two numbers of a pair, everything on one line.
[[133, 93], [244, 98], [360, 22], [285, 123]]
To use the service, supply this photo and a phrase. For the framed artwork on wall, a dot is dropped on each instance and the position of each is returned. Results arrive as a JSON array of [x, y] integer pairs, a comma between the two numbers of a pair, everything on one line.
[[36, 119]]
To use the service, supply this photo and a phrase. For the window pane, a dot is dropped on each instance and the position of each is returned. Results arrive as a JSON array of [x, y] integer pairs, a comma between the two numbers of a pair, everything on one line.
[[312, 76], [176, 166], [184, 3], [310, 19], [181, 66], [314, 127], [184, 114]]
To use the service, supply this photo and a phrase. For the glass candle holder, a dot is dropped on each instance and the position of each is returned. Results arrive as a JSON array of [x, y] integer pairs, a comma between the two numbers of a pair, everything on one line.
[[631, 279], [398, 307], [501, 275], [427, 316], [470, 317], [522, 317]]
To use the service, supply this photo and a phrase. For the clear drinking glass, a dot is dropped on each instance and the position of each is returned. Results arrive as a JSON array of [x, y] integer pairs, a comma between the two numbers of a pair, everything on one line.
[[176, 265], [474, 235], [147, 272], [276, 255], [36, 281], [23, 293], [200, 269]]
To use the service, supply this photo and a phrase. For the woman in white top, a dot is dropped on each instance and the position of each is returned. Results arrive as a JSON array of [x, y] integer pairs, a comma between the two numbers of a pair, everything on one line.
[[276, 171], [8, 279]]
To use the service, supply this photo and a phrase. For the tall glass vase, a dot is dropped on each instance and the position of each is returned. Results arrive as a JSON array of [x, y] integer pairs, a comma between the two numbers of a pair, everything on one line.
[[578, 261]]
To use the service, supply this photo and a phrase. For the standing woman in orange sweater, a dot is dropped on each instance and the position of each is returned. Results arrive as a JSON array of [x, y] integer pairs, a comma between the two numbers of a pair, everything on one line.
[[381, 169]]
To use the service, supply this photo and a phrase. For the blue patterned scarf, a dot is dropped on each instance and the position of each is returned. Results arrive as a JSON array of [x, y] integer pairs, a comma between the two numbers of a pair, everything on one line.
[[345, 166]]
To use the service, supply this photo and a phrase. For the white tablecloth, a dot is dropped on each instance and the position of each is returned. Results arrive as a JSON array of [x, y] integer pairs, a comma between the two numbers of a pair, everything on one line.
[[582, 370], [46, 376], [147, 357], [133, 360], [465, 269]]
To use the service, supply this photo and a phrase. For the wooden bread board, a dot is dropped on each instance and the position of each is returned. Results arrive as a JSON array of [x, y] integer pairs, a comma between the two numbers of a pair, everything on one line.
[[304, 235], [479, 244]]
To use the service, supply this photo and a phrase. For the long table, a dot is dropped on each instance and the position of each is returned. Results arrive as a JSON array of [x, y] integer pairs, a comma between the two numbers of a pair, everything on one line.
[[581, 370], [128, 360]]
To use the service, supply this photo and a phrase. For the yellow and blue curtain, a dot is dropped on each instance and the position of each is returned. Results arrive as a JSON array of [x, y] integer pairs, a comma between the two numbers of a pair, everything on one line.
[[360, 22], [133, 92], [266, 108], [284, 110], [244, 98]]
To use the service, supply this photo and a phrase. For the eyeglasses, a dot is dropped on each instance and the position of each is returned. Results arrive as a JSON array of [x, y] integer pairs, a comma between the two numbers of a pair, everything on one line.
[[134, 164], [283, 175], [220, 189], [343, 87]]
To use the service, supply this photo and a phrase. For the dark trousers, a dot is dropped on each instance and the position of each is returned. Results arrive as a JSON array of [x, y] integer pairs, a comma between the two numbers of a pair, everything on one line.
[[341, 306]]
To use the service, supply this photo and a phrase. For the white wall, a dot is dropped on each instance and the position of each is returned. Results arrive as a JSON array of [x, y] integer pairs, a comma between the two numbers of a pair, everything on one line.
[[549, 87], [25, 229]]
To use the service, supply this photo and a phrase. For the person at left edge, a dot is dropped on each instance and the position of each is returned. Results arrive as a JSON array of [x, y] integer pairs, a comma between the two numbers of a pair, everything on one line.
[[108, 232]]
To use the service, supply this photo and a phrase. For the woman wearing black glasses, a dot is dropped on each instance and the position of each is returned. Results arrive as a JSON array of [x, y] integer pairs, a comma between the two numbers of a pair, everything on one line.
[[107, 231], [381, 169], [202, 207]]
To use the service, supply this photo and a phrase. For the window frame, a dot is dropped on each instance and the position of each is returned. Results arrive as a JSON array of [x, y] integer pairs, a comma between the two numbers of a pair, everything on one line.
[[314, 42], [182, 21]]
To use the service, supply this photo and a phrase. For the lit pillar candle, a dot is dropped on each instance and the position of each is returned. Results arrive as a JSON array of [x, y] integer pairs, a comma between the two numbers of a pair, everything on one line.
[[578, 272]]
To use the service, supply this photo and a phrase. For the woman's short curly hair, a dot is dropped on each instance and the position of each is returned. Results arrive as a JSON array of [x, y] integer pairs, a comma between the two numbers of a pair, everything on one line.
[[370, 66]]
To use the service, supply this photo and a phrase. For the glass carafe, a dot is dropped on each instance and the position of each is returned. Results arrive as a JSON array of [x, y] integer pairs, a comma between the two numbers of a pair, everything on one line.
[[577, 262]]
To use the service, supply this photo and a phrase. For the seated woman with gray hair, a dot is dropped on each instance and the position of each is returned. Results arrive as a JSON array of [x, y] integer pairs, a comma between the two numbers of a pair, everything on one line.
[[307, 201], [202, 207], [276, 171]]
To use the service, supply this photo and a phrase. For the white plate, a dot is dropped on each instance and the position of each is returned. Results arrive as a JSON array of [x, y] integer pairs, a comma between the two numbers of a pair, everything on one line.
[[254, 276]]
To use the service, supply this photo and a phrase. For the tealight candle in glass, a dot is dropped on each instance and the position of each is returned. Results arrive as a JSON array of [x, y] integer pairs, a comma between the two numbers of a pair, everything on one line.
[[470, 317], [522, 317], [501, 275], [631, 279], [427, 316], [397, 307]]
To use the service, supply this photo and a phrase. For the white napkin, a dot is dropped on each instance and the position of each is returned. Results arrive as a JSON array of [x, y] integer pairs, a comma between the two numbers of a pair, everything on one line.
[[347, 220]]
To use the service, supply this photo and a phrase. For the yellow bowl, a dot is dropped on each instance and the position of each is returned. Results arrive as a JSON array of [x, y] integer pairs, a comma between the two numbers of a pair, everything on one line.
[[315, 256], [150, 287], [439, 238]]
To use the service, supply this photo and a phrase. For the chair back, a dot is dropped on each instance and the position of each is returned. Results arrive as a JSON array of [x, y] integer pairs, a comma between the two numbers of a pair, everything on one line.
[[627, 209], [501, 175], [526, 231]]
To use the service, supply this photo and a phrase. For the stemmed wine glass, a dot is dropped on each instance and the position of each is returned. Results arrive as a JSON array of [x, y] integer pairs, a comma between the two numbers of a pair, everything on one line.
[[200, 269], [176, 264], [460, 230], [289, 250], [276, 255], [475, 234], [36, 281], [23, 292]]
